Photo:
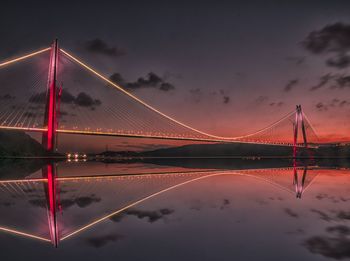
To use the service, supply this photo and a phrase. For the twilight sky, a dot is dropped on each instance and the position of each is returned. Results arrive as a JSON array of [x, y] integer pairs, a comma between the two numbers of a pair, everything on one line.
[[225, 67]]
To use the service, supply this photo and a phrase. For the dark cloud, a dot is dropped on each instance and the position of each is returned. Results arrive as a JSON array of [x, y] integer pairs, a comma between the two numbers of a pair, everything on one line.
[[325, 79], [85, 100], [261, 99], [332, 39], [152, 216], [339, 61], [101, 47], [335, 81], [7, 204], [290, 85], [100, 241], [152, 80], [165, 86], [298, 60], [82, 99], [336, 245], [342, 81], [321, 106], [226, 99], [7, 97]]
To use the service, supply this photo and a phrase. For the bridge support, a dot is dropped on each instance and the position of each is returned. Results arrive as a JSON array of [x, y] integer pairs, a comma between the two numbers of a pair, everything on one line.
[[49, 172], [50, 121], [299, 121], [298, 184]]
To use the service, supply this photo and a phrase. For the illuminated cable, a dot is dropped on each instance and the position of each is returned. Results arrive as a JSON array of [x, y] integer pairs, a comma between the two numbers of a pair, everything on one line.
[[24, 57]]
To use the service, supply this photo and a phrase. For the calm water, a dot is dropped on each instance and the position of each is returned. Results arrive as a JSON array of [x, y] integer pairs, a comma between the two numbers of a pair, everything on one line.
[[183, 210]]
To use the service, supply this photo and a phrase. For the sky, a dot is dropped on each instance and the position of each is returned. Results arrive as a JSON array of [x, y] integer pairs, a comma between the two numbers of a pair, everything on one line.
[[225, 67]]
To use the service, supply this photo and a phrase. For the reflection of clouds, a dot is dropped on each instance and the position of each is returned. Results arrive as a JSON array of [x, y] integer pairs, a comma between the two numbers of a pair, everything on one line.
[[335, 245], [152, 216], [333, 199], [324, 216], [277, 198], [291, 213], [225, 203], [338, 215], [100, 241], [344, 215], [7, 204], [81, 202]]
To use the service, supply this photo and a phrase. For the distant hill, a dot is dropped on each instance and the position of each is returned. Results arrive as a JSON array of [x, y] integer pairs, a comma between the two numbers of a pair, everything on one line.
[[19, 144], [221, 150]]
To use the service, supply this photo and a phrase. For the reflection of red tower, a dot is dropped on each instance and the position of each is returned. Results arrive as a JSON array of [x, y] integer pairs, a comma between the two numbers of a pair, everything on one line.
[[299, 121], [298, 184], [49, 172], [50, 121]]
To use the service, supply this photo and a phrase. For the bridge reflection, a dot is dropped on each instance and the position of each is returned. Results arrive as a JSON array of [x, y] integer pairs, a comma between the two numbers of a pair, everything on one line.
[[61, 207]]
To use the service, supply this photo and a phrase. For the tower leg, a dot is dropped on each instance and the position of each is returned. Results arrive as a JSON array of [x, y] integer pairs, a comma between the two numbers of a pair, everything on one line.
[[296, 127], [49, 172], [50, 121]]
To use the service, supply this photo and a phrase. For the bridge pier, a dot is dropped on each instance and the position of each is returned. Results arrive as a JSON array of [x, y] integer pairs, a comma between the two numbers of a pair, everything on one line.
[[49, 172], [299, 121], [50, 120]]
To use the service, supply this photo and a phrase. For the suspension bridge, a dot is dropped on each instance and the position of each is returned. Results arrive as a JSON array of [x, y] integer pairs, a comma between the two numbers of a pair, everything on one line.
[[54, 219], [52, 91]]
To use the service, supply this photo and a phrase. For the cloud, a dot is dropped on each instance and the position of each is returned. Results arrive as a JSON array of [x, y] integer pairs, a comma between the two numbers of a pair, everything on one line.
[[323, 81], [152, 80], [152, 216], [99, 46], [340, 61], [336, 245], [7, 97], [82, 99], [85, 100], [297, 60], [100, 241], [290, 85], [261, 99], [342, 81], [226, 99], [332, 39], [334, 103]]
